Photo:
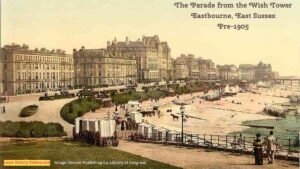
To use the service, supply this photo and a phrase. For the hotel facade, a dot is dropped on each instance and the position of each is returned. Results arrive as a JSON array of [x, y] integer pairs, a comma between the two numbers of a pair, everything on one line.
[[97, 67], [23, 70], [197, 68], [153, 57], [247, 72], [180, 70], [228, 72], [30, 71]]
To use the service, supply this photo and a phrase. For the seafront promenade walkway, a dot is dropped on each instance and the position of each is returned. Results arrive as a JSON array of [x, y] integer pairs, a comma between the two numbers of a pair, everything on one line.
[[226, 143], [191, 158]]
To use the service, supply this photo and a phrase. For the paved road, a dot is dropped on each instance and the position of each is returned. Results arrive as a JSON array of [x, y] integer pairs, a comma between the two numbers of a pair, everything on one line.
[[49, 111]]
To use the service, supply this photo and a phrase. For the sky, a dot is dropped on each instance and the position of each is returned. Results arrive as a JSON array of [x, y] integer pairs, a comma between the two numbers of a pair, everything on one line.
[[68, 24]]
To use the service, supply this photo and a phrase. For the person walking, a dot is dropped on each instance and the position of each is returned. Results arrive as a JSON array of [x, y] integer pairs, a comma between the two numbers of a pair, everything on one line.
[[258, 152], [271, 147]]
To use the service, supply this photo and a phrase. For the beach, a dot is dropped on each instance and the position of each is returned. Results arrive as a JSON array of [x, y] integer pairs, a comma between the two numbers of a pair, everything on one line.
[[209, 117]]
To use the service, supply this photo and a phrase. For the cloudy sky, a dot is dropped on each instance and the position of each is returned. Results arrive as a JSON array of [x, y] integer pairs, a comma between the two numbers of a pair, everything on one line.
[[69, 24]]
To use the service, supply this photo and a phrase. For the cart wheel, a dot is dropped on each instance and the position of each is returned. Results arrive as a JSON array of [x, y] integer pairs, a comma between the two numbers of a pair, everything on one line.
[[116, 143], [104, 142], [101, 143]]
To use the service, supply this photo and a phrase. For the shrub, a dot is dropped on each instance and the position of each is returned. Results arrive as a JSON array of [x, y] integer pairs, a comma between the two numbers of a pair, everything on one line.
[[28, 111], [70, 108], [113, 93], [56, 96], [125, 97], [31, 129], [78, 107]]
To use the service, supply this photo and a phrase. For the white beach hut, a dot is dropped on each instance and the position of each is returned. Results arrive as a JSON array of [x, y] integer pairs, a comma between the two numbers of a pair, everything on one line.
[[78, 124], [93, 125], [112, 126], [85, 125], [104, 128], [155, 132], [141, 128], [171, 135], [132, 106], [136, 116], [148, 130], [162, 134]]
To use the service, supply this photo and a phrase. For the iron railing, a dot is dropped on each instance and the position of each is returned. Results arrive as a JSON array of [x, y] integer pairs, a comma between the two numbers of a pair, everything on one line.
[[284, 147]]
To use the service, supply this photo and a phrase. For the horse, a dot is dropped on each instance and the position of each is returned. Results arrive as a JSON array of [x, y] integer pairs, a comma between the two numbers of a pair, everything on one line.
[[152, 113], [148, 113], [145, 113], [175, 117]]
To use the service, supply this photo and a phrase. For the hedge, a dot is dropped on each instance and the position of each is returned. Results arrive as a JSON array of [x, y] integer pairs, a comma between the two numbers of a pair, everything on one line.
[[125, 97], [31, 129], [77, 108], [44, 98]]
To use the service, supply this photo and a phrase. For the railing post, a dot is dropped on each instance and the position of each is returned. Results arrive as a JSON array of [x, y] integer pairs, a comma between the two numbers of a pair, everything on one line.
[[211, 140], [226, 141], [289, 147], [244, 143], [204, 139], [218, 140], [198, 140]]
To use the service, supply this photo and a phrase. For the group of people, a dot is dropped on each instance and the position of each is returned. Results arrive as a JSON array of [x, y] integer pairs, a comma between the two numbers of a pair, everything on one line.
[[258, 148]]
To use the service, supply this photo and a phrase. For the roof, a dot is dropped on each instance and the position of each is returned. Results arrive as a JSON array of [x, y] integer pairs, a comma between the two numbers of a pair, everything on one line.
[[135, 112], [106, 99], [163, 129], [133, 102]]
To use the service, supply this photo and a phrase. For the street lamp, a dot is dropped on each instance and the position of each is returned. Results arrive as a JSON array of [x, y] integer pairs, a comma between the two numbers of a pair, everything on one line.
[[182, 113]]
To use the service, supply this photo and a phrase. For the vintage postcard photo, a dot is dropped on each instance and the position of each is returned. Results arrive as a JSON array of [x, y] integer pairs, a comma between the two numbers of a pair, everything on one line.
[[149, 84]]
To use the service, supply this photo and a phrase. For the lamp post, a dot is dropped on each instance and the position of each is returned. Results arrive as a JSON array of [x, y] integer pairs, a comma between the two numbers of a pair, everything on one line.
[[182, 113]]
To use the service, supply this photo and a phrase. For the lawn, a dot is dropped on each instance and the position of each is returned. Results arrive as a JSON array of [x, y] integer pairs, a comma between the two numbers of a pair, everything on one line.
[[77, 108], [64, 151]]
